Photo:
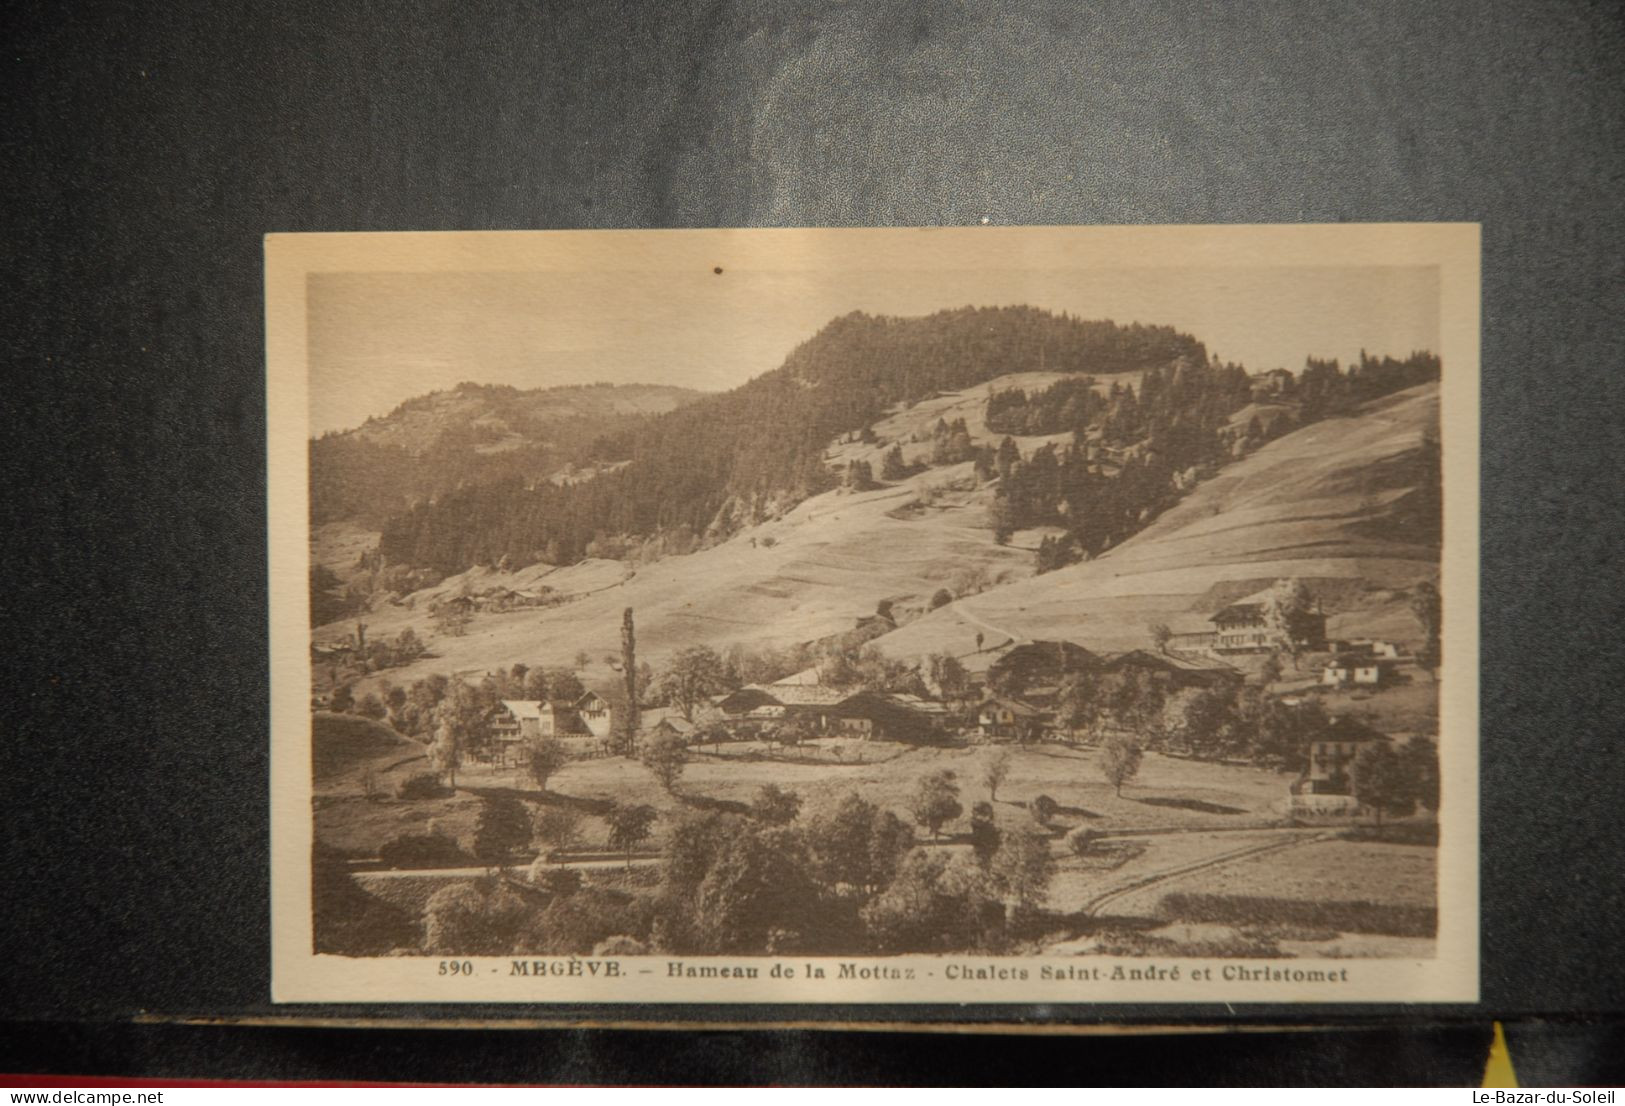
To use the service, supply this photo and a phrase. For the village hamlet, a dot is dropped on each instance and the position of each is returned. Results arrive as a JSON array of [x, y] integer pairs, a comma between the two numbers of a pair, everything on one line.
[[981, 631]]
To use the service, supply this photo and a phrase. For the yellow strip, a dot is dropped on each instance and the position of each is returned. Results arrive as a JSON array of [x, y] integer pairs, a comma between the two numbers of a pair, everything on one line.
[[1498, 1071]]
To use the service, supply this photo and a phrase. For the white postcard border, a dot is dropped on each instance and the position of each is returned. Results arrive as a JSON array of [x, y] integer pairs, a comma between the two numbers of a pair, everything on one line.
[[301, 976]]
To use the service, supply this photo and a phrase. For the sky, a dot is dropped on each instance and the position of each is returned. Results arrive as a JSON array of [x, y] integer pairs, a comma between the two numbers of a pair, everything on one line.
[[378, 338]]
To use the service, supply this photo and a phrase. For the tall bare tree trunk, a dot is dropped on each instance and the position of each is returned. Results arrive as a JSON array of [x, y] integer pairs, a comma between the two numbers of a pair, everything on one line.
[[629, 670]]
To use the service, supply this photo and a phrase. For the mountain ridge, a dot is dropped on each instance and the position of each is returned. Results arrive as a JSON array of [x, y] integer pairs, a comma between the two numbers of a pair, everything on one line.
[[732, 459], [471, 434]]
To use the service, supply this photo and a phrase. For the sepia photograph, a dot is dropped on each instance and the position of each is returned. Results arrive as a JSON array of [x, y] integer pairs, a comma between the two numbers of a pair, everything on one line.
[[1015, 615]]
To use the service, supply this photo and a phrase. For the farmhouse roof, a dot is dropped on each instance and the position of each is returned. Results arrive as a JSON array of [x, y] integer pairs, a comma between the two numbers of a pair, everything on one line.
[[672, 717], [1174, 662], [523, 708], [1360, 660], [1239, 612], [756, 696], [919, 703], [802, 695], [1066, 654], [1014, 706]]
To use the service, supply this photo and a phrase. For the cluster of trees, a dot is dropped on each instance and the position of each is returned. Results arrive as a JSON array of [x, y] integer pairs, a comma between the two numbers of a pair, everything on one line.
[[848, 878], [859, 476], [1241, 723], [1326, 389], [951, 443], [365, 655], [1067, 406], [1174, 423], [1221, 722], [1395, 781], [1133, 453], [332, 599], [727, 460], [452, 711]]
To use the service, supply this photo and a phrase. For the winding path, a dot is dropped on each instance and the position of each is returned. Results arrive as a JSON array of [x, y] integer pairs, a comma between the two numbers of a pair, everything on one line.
[[980, 623], [1289, 839]]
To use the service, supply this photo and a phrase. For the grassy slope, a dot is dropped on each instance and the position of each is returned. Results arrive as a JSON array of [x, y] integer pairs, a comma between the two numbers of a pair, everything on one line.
[[835, 557], [1327, 871], [1302, 505], [344, 746]]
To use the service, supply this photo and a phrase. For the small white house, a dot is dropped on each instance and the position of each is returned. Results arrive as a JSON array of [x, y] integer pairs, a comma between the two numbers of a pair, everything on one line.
[[595, 713]]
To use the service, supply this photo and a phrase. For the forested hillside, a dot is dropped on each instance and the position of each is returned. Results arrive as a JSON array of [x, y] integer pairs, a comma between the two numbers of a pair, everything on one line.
[[727, 460], [473, 434], [1133, 454]]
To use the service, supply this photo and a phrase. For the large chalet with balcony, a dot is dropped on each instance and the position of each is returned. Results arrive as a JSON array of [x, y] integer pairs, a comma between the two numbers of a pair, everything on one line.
[[582, 724], [1245, 626]]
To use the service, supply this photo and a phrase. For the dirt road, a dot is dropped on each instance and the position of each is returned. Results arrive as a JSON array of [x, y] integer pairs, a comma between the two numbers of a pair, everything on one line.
[[1132, 883]]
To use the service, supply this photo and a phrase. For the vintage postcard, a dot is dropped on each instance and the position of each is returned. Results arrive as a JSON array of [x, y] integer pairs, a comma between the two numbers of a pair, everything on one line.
[[965, 615]]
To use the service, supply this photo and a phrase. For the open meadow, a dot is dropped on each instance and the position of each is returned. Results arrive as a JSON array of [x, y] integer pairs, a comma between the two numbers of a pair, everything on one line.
[[932, 599]]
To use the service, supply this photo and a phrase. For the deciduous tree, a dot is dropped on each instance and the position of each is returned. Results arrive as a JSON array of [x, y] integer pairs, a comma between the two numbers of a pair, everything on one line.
[[1381, 781], [995, 767], [1420, 758], [1043, 809], [775, 806], [1287, 612], [482, 918], [984, 833], [1120, 757], [1022, 869], [759, 894], [563, 685], [502, 828], [459, 723], [629, 827], [547, 756], [557, 828], [694, 674], [857, 845], [665, 755], [936, 801], [948, 676]]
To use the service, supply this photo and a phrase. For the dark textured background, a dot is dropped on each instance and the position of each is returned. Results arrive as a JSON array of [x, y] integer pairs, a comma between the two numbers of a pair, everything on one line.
[[147, 147]]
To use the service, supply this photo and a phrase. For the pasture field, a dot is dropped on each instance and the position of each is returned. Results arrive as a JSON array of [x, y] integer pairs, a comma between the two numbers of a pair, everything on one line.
[[1205, 838], [1168, 794], [1328, 871]]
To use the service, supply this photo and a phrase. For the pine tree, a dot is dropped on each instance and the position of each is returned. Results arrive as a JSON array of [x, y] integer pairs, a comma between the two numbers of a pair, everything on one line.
[[892, 466]]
